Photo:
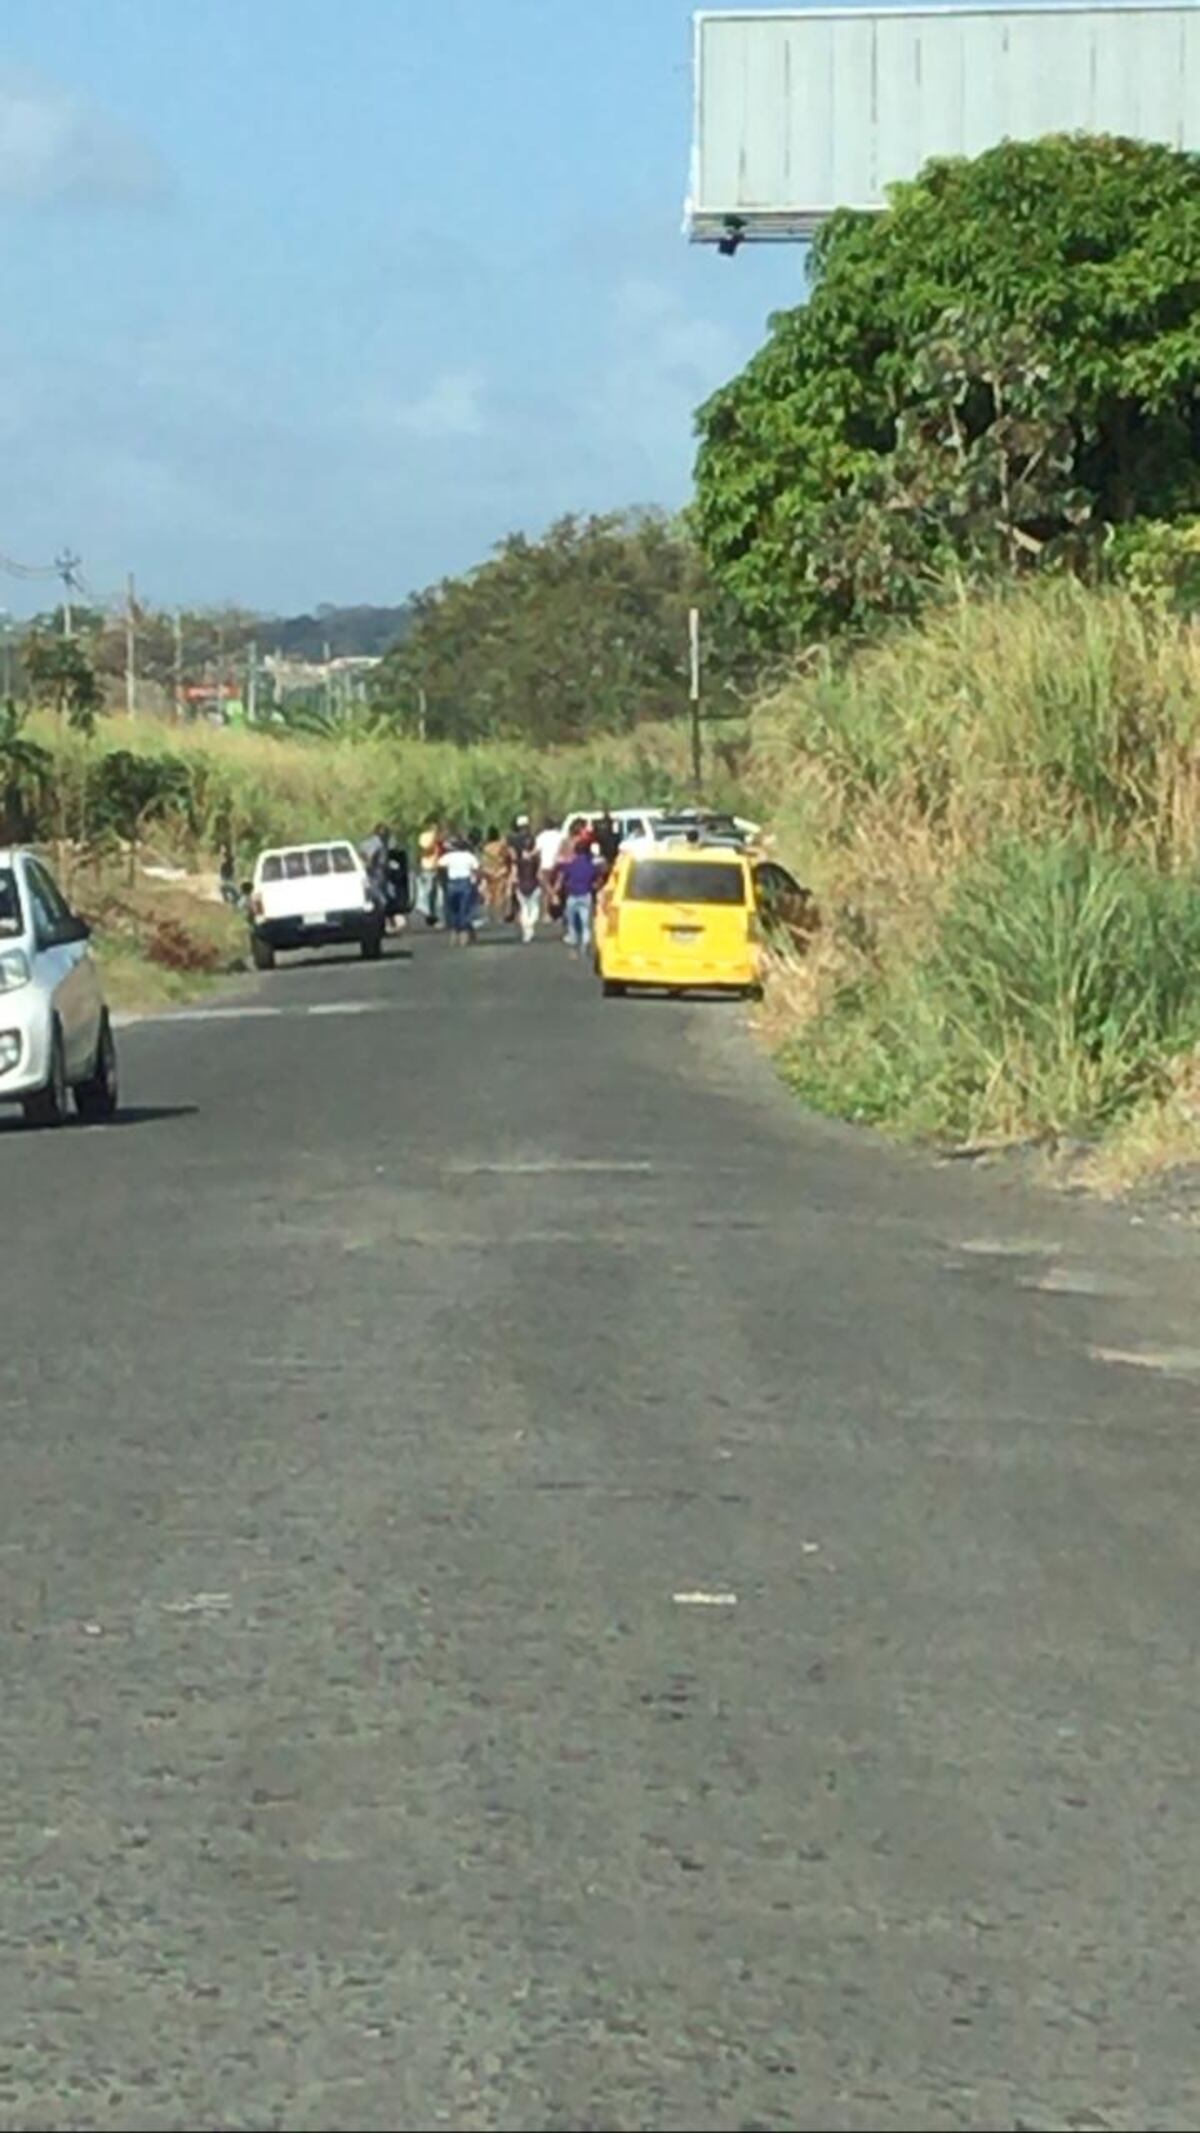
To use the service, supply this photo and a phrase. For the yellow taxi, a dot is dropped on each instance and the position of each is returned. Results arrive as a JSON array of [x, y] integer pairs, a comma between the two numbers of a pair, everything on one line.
[[681, 916]]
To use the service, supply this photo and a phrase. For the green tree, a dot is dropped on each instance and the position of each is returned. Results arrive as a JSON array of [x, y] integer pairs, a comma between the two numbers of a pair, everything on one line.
[[62, 675], [129, 791], [584, 631], [25, 772], [1006, 358]]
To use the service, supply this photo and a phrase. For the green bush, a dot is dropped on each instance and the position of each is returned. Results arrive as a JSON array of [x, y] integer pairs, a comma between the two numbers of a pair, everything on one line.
[[1159, 560]]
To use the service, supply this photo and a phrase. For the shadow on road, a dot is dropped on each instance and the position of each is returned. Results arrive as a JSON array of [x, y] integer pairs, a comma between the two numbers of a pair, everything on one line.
[[129, 1115], [151, 1114], [646, 996], [319, 960]]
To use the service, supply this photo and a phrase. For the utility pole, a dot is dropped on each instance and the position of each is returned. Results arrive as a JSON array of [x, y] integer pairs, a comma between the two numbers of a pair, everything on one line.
[[67, 566], [221, 671], [252, 683], [694, 694], [130, 649], [421, 710], [7, 619], [177, 667], [328, 685]]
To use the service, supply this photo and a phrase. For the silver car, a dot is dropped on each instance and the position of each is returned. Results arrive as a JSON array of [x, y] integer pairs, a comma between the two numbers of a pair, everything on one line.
[[55, 1032]]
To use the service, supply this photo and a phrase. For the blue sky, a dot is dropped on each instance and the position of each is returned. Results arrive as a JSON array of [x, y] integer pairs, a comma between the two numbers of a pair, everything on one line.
[[316, 299]]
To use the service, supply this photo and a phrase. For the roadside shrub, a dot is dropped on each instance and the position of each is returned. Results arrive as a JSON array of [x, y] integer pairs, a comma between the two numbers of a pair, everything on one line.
[[1061, 979], [1083, 962]]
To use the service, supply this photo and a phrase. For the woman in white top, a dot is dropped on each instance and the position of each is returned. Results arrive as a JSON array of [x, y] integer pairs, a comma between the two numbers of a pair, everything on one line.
[[460, 872]]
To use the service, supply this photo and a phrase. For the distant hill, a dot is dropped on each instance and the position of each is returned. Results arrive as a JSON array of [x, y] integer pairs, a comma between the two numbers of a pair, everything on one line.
[[362, 632]]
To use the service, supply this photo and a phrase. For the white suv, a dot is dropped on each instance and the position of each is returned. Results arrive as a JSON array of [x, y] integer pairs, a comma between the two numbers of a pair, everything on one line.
[[55, 1033], [634, 825]]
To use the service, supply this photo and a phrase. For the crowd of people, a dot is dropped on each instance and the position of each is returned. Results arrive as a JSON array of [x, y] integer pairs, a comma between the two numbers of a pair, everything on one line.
[[518, 877]]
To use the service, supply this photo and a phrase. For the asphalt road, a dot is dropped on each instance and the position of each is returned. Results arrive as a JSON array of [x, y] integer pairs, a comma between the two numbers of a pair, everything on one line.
[[370, 1397]]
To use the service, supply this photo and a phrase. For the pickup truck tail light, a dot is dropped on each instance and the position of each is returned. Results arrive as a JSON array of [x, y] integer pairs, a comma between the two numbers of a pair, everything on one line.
[[256, 905]]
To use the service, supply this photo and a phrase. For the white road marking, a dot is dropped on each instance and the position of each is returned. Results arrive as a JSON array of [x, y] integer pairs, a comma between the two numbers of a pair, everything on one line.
[[1172, 1362], [200, 1014], [257, 1013], [544, 1166], [1075, 1281], [705, 1599]]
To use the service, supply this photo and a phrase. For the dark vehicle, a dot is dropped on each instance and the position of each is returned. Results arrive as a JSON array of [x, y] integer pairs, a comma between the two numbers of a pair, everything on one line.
[[787, 909]]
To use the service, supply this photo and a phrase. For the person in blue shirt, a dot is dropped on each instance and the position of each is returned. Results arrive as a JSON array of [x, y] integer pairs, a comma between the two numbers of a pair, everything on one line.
[[581, 874]]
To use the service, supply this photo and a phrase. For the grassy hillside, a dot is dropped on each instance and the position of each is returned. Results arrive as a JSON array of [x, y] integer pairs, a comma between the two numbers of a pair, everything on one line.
[[1000, 810]]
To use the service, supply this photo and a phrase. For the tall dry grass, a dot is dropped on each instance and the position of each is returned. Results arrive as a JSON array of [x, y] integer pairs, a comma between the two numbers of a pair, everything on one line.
[[1000, 812], [255, 788]]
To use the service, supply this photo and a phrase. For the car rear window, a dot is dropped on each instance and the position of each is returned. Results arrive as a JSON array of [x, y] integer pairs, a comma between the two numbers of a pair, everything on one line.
[[685, 881], [10, 904], [310, 859]]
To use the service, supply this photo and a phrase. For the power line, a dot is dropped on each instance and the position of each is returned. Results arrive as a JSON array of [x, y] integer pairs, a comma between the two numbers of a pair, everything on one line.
[[29, 570]]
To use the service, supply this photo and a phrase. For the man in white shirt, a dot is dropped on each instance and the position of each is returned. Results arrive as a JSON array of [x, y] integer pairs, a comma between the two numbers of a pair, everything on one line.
[[549, 842]]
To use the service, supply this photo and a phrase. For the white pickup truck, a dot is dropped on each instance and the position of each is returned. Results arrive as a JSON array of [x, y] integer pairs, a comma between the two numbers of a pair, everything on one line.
[[312, 896]]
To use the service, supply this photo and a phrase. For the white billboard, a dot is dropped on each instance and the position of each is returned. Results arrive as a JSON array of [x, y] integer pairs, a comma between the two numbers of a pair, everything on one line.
[[802, 110]]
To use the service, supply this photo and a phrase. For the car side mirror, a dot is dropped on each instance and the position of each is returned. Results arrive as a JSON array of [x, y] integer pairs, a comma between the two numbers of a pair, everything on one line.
[[75, 929]]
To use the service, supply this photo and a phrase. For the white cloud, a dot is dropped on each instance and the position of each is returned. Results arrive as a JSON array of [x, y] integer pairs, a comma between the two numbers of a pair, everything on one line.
[[451, 407], [56, 147]]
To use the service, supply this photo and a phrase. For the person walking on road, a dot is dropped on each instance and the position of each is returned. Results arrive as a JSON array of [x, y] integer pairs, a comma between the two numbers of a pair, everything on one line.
[[527, 878], [374, 853], [398, 888], [580, 878], [460, 871], [608, 837], [429, 851], [497, 875], [549, 842]]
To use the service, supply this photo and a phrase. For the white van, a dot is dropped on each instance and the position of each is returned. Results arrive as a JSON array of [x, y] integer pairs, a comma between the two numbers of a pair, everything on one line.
[[312, 896]]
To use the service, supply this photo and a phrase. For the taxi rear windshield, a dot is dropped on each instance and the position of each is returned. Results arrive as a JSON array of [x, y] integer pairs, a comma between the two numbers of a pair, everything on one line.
[[685, 881]]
